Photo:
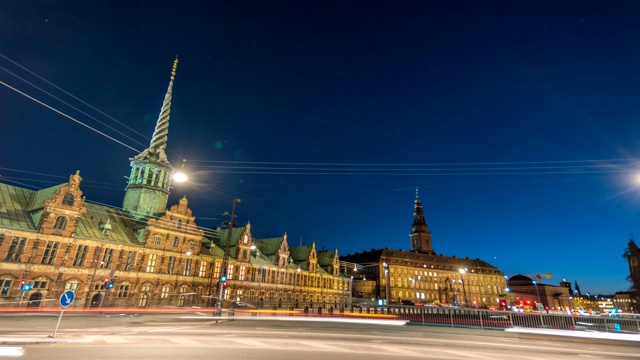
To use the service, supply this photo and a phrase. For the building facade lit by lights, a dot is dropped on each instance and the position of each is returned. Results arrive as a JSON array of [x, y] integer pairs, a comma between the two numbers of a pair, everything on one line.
[[419, 275], [145, 255]]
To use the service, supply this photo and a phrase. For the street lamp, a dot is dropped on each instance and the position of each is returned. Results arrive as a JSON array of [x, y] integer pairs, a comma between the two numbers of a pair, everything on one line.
[[538, 294], [225, 258], [464, 288], [387, 286]]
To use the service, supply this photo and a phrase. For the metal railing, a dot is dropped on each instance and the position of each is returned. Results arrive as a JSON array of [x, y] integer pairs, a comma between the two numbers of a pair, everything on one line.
[[488, 319]]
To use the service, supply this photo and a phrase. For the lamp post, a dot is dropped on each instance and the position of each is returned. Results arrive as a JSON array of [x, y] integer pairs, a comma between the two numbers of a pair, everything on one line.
[[387, 286], [225, 258], [538, 294], [464, 288]]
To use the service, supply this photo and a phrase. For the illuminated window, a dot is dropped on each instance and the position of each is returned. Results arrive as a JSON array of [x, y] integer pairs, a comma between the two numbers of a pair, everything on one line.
[[151, 263], [164, 294]]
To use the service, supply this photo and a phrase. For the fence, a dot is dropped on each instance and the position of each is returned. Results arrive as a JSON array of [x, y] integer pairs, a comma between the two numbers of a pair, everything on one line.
[[487, 319], [448, 316]]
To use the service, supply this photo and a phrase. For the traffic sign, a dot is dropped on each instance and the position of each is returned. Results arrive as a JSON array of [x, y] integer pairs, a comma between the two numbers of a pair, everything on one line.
[[67, 298]]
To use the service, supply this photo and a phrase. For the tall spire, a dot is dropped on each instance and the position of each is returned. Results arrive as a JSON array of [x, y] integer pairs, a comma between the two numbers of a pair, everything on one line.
[[149, 183], [159, 140], [420, 235]]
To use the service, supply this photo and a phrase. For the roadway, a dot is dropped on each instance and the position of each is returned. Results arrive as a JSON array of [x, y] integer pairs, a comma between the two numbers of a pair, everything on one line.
[[197, 336]]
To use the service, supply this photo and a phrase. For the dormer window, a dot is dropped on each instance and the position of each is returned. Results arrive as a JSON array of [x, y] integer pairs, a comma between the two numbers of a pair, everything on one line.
[[192, 245], [61, 223], [157, 239], [68, 199], [106, 228]]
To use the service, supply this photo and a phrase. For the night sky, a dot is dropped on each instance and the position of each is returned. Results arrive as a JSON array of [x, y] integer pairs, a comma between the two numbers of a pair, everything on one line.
[[519, 121]]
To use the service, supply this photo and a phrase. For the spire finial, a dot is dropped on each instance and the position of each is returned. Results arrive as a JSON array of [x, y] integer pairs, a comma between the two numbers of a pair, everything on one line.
[[159, 139], [175, 66]]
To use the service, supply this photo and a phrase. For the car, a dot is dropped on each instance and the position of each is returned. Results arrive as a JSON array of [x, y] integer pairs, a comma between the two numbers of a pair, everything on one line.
[[240, 304], [407, 302]]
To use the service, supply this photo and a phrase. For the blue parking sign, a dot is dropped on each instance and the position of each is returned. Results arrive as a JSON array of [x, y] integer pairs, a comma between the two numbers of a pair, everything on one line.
[[67, 298]]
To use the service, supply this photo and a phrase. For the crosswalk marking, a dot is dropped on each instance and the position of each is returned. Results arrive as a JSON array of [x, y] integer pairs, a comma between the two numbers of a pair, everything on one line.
[[186, 341], [323, 346], [250, 342], [396, 350], [113, 339]]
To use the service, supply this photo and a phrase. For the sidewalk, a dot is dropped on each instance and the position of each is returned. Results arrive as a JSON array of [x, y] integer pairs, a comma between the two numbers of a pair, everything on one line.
[[578, 336]]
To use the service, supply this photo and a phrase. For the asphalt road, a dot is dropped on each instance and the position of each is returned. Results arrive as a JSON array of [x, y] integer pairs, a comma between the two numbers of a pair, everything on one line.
[[172, 336]]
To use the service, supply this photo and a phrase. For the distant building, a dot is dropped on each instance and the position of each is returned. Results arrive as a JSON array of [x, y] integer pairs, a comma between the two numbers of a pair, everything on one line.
[[527, 294], [420, 275], [145, 255], [625, 302]]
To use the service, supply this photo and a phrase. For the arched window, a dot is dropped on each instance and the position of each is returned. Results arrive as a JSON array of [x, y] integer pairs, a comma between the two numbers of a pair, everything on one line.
[[176, 241], [61, 223], [68, 199]]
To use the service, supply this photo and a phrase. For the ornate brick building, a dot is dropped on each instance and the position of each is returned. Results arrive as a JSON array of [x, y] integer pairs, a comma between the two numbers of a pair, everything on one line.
[[145, 255], [420, 275]]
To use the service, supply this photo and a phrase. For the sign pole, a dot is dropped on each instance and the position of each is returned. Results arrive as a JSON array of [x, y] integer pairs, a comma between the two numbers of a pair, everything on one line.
[[65, 300], [58, 324]]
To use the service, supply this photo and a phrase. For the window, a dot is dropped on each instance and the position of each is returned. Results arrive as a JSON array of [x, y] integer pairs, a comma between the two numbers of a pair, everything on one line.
[[68, 199], [192, 245], [176, 241], [81, 255], [107, 257], [145, 288], [50, 252], [187, 267], [165, 292], [123, 290], [131, 261], [216, 270], [203, 269], [40, 284], [61, 223], [157, 239], [230, 272], [5, 285], [71, 285], [151, 263], [179, 224], [241, 272], [171, 266], [16, 249]]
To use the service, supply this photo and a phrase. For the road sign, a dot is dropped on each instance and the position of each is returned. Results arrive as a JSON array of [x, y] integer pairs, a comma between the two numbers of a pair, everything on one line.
[[66, 298]]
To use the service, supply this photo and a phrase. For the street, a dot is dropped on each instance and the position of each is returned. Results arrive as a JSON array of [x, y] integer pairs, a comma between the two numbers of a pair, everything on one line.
[[170, 336]]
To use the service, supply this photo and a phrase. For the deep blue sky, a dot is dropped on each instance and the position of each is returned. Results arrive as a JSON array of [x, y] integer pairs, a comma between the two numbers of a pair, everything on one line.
[[484, 91]]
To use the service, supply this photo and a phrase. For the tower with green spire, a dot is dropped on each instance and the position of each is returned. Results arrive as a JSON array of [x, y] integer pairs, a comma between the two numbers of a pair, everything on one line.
[[147, 191], [420, 235]]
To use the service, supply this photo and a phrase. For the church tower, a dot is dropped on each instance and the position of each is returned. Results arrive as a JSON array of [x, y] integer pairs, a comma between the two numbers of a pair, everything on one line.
[[420, 235], [147, 191]]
